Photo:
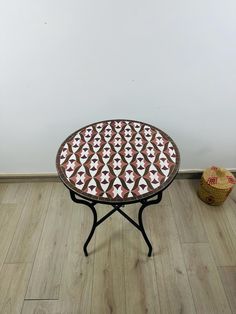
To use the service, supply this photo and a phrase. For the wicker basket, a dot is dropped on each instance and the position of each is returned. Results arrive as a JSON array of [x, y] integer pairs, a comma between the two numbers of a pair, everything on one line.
[[216, 184]]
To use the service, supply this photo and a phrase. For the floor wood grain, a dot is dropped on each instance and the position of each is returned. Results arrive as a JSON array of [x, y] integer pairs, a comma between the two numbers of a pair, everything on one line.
[[77, 276], [228, 277], [140, 281], [13, 283], [15, 193], [12, 199], [221, 234], [43, 269], [42, 307], [28, 231], [109, 268], [3, 188], [9, 217], [52, 251], [188, 220], [205, 281], [171, 276]]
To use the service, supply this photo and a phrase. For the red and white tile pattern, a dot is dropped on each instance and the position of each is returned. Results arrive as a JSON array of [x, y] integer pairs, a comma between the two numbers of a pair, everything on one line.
[[117, 160]]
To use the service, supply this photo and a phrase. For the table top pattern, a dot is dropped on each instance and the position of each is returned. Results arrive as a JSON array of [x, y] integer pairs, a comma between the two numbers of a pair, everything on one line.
[[117, 161]]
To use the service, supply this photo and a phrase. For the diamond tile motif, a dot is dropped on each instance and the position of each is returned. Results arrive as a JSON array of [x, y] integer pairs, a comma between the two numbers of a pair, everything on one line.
[[118, 160]]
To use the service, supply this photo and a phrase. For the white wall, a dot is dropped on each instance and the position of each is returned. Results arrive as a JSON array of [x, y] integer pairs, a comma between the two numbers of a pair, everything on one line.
[[64, 64]]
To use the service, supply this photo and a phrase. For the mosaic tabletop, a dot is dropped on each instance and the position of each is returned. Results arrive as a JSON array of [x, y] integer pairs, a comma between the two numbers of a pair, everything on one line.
[[117, 161]]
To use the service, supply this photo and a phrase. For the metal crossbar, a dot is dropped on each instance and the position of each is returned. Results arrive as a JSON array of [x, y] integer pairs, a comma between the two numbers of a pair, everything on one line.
[[116, 208]]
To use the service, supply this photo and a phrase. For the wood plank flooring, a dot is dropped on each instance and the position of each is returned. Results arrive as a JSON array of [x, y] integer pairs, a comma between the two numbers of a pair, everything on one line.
[[43, 269]]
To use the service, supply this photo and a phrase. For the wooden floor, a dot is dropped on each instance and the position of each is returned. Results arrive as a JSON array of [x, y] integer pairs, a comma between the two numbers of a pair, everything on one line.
[[43, 269]]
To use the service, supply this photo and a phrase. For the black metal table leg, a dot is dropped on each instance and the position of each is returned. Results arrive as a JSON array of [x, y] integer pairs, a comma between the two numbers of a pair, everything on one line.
[[146, 203], [140, 221], [91, 205], [96, 223], [92, 230], [117, 207]]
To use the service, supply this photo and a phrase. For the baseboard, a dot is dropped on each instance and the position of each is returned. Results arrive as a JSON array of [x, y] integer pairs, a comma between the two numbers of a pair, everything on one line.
[[53, 177], [28, 177], [196, 173], [189, 174]]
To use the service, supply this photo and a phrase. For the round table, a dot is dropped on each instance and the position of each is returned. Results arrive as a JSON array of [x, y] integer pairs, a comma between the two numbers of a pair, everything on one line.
[[117, 162]]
